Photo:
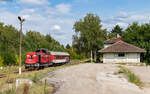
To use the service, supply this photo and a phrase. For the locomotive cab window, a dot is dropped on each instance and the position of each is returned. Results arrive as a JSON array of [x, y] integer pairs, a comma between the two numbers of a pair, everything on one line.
[[31, 57]]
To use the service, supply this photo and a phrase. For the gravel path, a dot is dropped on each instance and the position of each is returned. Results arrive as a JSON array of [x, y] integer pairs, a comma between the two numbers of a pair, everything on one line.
[[91, 79]]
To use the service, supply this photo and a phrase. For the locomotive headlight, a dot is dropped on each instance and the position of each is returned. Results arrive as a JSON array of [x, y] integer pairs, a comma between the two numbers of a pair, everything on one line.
[[37, 64]]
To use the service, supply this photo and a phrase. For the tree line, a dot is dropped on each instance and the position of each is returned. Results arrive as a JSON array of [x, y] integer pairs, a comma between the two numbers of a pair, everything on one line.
[[9, 44], [89, 36]]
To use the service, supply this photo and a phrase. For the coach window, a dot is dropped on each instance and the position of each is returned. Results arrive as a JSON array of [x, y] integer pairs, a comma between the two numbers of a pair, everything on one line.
[[121, 54]]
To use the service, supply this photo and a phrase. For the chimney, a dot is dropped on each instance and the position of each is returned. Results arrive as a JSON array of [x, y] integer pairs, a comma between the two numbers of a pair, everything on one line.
[[118, 35]]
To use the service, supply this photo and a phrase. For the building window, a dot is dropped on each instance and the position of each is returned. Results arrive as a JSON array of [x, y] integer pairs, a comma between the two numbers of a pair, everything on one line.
[[121, 55]]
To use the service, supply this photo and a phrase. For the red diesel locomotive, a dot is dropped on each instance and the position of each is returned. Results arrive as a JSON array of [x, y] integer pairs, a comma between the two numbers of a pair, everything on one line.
[[42, 57]]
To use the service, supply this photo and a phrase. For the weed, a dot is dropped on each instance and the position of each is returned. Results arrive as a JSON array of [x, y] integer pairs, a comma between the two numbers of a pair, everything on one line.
[[134, 79], [10, 91], [131, 76], [10, 80], [49, 70], [35, 78], [29, 76], [121, 71]]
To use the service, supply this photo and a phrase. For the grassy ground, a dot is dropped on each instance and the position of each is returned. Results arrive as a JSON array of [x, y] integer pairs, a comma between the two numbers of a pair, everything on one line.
[[10, 74], [131, 76]]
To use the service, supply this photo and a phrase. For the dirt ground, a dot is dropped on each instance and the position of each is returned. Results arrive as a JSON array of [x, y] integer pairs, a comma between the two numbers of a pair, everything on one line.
[[143, 72], [91, 79]]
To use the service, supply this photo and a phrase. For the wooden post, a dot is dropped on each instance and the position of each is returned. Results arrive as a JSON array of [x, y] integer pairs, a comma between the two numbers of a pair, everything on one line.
[[91, 57], [95, 56]]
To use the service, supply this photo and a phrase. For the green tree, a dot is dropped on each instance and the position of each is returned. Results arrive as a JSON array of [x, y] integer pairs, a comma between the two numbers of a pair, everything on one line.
[[89, 34], [139, 35], [9, 43], [117, 30], [68, 46]]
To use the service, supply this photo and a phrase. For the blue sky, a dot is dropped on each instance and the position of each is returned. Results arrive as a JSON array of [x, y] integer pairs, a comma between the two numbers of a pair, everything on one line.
[[56, 17]]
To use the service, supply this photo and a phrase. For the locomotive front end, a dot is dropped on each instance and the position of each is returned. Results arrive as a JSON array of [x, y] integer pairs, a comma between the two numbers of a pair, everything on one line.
[[31, 60]]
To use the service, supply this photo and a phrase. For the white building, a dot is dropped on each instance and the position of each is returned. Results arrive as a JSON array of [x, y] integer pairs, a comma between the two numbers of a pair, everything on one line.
[[117, 51]]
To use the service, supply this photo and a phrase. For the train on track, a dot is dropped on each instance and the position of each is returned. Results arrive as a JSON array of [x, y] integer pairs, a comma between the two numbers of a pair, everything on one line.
[[42, 58]]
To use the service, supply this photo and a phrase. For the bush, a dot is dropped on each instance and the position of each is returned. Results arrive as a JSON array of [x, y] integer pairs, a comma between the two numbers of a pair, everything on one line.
[[9, 59], [74, 55]]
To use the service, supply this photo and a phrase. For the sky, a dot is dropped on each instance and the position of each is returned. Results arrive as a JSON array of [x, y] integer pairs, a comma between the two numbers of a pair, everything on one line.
[[56, 17]]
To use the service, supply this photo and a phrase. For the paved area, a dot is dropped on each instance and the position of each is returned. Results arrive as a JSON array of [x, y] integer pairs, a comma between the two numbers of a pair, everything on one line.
[[143, 72], [91, 79]]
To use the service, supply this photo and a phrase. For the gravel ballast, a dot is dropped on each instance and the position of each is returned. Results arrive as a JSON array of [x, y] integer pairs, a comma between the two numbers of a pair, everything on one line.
[[91, 79]]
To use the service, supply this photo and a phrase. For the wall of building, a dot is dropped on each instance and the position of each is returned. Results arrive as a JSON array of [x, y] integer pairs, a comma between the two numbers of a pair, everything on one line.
[[128, 58]]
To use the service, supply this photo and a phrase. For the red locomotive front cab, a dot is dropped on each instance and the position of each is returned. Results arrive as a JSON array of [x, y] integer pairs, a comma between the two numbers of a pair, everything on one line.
[[32, 59], [38, 59]]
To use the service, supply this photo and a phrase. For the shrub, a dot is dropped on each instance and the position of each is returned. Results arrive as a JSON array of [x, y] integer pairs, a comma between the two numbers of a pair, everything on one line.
[[9, 59]]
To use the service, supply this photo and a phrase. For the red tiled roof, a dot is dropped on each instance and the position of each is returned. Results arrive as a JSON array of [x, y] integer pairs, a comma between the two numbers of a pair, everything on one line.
[[121, 46], [113, 40]]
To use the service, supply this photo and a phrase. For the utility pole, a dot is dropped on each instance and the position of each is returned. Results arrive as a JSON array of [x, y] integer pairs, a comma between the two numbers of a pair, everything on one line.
[[20, 43]]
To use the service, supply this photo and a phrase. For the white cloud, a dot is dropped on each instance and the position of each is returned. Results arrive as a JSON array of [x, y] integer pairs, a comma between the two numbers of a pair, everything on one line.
[[26, 16], [56, 28], [8, 18], [63, 8], [122, 24], [34, 2], [124, 19], [3, 2], [59, 28], [24, 11]]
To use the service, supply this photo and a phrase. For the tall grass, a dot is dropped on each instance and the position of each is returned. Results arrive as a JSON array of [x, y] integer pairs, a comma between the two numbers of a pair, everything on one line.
[[131, 76], [10, 91]]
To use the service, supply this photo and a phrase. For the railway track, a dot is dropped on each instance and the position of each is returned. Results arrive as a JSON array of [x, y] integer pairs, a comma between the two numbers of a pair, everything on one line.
[[73, 62]]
